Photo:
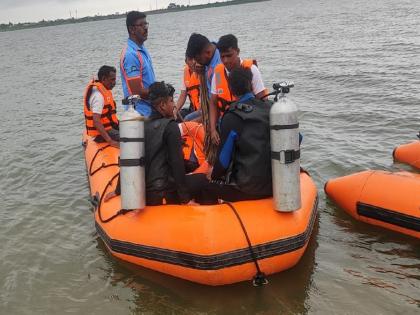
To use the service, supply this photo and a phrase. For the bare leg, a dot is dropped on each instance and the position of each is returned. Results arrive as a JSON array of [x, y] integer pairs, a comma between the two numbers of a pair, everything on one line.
[[109, 196]]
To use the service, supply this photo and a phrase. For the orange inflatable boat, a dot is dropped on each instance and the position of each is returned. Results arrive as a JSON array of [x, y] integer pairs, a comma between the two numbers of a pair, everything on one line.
[[212, 245], [389, 200], [408, 153]]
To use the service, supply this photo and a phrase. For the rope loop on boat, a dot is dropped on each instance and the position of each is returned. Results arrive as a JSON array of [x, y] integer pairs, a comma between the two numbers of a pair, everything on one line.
[[119, 212], [91, 173], [97, 203], [260, 277]]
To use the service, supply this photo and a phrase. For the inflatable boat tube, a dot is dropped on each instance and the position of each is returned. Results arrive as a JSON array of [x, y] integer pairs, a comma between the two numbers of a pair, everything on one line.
[[389, 200], [408, 153], [212, 245]]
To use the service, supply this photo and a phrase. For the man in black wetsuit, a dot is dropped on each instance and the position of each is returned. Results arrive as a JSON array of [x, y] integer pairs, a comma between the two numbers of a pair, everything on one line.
[[165, 169], [243, 167]]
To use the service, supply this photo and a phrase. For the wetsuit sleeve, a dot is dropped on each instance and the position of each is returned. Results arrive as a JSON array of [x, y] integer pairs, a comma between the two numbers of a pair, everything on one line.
[[230, 131], [173, 141]]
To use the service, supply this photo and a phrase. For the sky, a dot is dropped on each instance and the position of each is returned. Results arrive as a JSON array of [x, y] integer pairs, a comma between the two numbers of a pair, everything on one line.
[[16, 11]]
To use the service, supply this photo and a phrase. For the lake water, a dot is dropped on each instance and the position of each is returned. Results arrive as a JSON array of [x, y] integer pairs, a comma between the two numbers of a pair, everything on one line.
[[356, 66]]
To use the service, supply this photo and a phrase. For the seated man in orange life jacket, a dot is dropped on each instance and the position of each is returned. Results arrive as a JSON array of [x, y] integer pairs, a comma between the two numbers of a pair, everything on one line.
[[221, 96], [100, 108]]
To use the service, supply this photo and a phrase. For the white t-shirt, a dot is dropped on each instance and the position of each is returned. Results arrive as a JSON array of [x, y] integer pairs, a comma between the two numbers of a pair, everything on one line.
[[257, 82], [96, 101]]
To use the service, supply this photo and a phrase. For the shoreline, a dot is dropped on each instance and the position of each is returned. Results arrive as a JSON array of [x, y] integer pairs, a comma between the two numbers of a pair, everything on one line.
[[177, 8]]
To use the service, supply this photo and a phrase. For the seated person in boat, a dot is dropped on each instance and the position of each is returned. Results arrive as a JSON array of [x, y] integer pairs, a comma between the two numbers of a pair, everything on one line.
[[100, 108], [243, 167], [221, 96], [191, 89], [165, 170]]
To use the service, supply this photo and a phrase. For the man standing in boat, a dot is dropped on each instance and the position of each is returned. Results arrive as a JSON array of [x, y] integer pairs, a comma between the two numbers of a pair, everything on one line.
[[136, 66], [100, 108], [221, 96], [191, 89], [205, 53], [207, 56]]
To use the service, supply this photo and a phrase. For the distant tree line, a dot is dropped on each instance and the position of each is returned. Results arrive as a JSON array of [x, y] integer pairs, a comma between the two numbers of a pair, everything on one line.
[[171, 7]]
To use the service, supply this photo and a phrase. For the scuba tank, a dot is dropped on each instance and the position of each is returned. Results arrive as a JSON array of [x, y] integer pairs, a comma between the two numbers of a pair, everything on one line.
[[132, 161], [285, 151]]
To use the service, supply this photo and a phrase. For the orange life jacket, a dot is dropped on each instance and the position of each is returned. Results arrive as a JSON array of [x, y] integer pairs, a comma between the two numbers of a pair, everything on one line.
[[109, 113], [193, 135], [224, 96], [192, 84]]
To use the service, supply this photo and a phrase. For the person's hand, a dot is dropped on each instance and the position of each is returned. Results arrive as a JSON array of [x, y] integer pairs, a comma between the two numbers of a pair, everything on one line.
[[177, 113], [114, 144], [209, 171], [215, 139], [199, 68]]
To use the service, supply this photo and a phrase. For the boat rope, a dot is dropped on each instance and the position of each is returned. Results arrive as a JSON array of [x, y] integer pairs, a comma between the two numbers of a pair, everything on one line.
[[99, 203], [210, 149], [119, 212], [260, 278], [91, 173]]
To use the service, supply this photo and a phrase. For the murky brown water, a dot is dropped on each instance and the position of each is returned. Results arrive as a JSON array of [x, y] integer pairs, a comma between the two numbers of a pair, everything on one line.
[[356, 68]]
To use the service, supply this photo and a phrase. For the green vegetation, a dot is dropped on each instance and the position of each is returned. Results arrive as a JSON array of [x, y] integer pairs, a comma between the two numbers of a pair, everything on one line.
[[173, 7]]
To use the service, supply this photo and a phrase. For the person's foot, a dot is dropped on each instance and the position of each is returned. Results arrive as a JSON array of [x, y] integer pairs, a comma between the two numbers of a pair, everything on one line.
[[109, 196]]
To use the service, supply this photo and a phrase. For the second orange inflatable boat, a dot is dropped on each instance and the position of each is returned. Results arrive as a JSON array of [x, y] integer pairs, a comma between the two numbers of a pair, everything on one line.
[[212, 245], [389, 200], [408, 153]]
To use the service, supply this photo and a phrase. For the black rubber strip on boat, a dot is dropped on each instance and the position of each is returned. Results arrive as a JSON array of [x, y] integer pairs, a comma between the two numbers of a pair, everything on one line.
[[212, 262], [388, 216]]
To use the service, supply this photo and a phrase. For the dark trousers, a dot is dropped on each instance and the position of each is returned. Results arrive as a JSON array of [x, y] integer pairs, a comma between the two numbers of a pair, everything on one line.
[[195, 184], [214, 191], [113, 133]]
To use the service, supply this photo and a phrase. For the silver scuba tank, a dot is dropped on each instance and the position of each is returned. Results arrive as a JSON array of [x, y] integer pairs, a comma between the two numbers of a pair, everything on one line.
[[132, 172], [285, 151]]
